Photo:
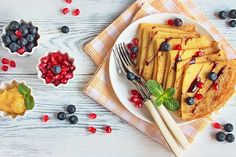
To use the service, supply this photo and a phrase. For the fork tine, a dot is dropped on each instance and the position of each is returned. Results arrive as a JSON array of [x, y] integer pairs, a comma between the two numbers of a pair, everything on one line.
[[121, 56], [118, 60], [126, 53]]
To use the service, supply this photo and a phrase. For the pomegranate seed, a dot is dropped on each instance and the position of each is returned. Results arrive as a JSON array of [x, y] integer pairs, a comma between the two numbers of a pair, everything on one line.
[[216, 125], [21, 51], [178, 47], [199, 53], [44, 59], [92, 116], [135, 99], [58, 77], [200, 85], [69, 76], [18, 33], [216, 86], [12, 63], [135, 41], [108, 129], [140, 97], [198, 96], [170, 22], [178, 58], [132, 56], [76, 12], [56, 82], [63, 71], [65, 11], [45, 118], [64, 81], [138, 104], [92, 129], [4, 68], [48, 80], [130, 46], [68, 1], [49, 74], [5, 61], [72, 68], [134, 92]]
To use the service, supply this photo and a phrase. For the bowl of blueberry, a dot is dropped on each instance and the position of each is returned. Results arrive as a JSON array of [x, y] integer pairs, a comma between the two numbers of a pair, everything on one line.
[[20, 37], [56, 68]]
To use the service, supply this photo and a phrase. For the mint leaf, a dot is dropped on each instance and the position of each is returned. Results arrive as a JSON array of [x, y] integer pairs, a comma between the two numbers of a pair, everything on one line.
[[169, 93], [155, 88], [158, 101], [29, 102], [171, 104], [23, 89]]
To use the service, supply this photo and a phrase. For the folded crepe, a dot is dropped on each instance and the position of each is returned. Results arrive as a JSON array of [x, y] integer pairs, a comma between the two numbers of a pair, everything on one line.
[[212, 99]]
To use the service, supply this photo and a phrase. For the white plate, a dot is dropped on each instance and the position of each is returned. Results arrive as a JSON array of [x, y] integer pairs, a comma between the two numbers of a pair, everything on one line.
[[119, 83]]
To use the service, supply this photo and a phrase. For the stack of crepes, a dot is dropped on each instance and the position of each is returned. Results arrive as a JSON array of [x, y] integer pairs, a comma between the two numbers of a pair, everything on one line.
[[99, 87], [185, 66]]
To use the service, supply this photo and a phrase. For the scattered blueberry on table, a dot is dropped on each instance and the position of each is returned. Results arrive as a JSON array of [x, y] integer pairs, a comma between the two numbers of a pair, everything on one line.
[[220, 136], [65, 29], [231, 14]]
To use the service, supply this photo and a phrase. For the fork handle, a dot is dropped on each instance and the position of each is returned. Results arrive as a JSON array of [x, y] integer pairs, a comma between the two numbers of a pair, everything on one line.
[[163, 129], [172, 125]]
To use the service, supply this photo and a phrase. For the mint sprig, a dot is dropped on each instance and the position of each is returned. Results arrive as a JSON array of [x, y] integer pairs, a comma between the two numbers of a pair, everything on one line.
[[26, 92], [163, 97]]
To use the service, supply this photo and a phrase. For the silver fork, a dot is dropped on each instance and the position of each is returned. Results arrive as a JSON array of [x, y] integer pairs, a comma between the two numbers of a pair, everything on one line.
[[170, 122], [121, 61]]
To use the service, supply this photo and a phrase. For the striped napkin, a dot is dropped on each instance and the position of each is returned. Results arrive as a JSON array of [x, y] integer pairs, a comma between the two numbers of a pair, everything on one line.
[[99, 88]]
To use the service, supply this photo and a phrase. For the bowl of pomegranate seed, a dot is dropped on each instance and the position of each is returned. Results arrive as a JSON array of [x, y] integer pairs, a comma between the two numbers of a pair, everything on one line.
[[20, 37], [56, 68]]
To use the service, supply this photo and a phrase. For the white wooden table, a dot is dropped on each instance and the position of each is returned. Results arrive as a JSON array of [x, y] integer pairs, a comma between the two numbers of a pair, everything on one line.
[[30, 137]]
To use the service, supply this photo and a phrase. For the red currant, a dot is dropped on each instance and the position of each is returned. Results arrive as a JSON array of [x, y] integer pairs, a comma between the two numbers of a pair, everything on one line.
[[12, 63], [65, 11], [199, 53], [130, 46], [135, 99], [135, 41], [5, 61], [198, 96], [45, 118], [200, 85], [133, 56], [178, 47], [18, 33], [4, 68], [68, 1], [138, 104], [108, 129], [92, 116], [215, 86], [134, 92], [92, 129], [216, 125], [76, 12], [170, 22]]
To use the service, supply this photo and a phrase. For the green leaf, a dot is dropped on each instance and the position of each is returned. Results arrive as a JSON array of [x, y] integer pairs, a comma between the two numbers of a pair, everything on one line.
[[23, 89], [29, 102], [171, 104], [158, 101], [155, 88], [169, 93]]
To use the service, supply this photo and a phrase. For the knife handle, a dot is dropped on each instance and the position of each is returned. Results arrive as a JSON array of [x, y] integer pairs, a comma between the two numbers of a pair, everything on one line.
[[176, 149]]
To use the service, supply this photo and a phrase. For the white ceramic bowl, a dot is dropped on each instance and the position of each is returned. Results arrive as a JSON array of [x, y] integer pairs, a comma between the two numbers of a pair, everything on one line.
[[39, 73], [15, 53], [7, 85]]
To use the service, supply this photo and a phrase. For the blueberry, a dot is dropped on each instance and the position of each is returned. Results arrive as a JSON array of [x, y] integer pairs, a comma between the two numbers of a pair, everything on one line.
[[14, 25], [73, 119], [228, 127], [165, 46], [130, 76], [22, 42], [220, 136], [222, 15], [232, 13], [13, 37], [6, 40], [71, 109], [230, 138], [190, 100], [232, 23], [61, 115], [14, 47], [134, 49], [24, 30], [178, 22], [30, 46], [56, 69], [212, 76], [33, 30], [9, 32], [65, 29], [30, 37]]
